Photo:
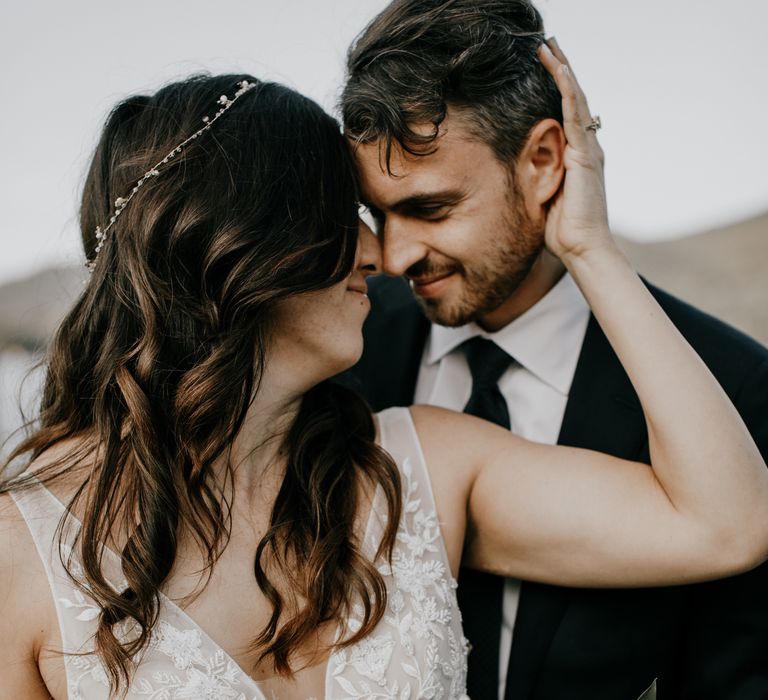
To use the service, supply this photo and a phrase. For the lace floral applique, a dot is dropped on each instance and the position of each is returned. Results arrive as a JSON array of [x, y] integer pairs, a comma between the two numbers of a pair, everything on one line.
[[200, 675], [82, 669], [192, 674], [181, 646], [417, 650]]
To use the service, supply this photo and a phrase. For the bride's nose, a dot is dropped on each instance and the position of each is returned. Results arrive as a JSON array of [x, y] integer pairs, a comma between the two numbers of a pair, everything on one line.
[[369, 251]]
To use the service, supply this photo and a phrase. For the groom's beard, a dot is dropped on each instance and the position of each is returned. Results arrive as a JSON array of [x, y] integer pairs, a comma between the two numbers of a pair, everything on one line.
[[487, 277]]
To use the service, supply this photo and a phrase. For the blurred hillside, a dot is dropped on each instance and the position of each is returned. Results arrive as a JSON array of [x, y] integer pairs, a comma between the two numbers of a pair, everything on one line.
[[723, 272], [31, 308]]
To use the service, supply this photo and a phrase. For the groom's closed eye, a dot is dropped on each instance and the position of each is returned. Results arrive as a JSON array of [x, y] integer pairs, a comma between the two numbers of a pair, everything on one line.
[[428, 212], [429, 206]]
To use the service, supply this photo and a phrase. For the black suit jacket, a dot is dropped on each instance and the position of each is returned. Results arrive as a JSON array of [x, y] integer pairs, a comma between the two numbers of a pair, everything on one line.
[[702, 642]]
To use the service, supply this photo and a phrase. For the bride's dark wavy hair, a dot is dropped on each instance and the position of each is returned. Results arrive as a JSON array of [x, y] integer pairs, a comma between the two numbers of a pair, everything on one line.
[[154, 368]]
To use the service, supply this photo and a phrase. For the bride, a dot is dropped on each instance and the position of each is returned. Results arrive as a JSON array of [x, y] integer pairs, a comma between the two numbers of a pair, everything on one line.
[[204, 515]]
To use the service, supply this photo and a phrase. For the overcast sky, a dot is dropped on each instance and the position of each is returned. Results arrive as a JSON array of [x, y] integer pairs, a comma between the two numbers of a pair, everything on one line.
[[680, 85]]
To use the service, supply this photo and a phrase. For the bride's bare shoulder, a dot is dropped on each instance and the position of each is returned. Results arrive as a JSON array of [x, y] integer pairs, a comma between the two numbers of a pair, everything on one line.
[[63, 468], [18, 554], [457, 438], [24, 590], [64, 457], [28, 618]]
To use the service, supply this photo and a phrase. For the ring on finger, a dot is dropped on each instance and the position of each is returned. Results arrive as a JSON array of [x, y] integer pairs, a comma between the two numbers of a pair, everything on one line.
[[594, 124]]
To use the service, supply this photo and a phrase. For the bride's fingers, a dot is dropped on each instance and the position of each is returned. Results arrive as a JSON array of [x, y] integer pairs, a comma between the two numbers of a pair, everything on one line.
[[558, 53], [576, 114]]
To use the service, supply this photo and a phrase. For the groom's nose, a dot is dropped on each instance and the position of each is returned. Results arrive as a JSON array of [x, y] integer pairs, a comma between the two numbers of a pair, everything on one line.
[[401, 246]]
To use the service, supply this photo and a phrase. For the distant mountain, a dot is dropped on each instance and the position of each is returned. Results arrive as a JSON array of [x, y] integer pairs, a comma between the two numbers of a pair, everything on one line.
[[32, 308], [724, 272]]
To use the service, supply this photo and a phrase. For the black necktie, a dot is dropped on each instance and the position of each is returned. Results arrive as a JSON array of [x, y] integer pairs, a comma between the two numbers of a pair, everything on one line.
[[487, 362], [480, 595]]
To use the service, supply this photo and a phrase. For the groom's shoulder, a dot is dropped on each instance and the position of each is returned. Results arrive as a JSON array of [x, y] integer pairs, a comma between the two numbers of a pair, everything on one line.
[[717, 342]]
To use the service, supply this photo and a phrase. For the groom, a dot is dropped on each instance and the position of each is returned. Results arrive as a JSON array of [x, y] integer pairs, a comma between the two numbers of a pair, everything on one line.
[[458, 140]]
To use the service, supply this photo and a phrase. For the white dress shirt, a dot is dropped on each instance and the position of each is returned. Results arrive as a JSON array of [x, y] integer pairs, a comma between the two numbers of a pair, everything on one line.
[[545, 343]]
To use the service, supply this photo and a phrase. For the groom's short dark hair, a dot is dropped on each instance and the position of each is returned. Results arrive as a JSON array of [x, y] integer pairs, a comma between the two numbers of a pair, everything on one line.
[[417, 57]]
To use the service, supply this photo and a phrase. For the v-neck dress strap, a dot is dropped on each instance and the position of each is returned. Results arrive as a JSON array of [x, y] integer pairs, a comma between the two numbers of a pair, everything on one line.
[[416, 650], [181, 661]]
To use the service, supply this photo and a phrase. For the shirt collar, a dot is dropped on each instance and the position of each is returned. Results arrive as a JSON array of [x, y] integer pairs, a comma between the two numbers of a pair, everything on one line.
[[545, 339]]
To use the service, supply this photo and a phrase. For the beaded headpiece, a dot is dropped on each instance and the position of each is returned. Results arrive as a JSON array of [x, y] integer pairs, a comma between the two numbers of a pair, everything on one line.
[[122, 202]]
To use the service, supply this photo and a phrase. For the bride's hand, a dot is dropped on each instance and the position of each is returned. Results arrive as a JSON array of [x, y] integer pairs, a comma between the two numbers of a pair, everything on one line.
[[577, 219]]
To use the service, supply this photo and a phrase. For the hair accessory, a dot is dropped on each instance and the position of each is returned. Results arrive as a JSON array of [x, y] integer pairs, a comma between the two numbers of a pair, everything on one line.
[[122, 202]]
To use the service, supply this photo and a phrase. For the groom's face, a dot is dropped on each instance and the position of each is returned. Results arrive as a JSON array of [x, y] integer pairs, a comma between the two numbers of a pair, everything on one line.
[[454, 222]]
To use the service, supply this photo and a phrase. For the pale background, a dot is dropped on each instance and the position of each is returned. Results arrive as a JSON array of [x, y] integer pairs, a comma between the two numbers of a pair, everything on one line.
[[680, 86]]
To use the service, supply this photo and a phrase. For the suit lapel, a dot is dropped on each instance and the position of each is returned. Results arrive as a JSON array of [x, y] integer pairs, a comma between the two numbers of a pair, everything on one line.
[[603, 411], [604, 414]]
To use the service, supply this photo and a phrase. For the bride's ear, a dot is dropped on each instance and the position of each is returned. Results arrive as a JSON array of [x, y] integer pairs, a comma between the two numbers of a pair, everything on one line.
[[540, 168]]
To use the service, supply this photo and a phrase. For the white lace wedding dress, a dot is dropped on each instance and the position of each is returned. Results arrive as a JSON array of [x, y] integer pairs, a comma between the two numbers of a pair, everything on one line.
[[416, 651]]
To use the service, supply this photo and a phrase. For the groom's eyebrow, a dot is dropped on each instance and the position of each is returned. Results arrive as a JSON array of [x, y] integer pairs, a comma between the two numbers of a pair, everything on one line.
[[420, 199]]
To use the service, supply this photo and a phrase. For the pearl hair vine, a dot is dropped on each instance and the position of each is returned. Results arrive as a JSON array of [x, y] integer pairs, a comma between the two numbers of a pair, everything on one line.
[[122, 202]]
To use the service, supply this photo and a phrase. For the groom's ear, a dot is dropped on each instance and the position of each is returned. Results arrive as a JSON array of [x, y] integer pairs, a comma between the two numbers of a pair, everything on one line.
[[539, 167]]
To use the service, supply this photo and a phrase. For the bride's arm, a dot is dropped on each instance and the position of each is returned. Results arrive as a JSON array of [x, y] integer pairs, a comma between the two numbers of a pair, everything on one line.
[[576, 517], [25, 600]]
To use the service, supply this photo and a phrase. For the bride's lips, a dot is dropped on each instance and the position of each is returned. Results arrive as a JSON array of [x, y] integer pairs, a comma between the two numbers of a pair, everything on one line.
[[430, 287], [360, 291]]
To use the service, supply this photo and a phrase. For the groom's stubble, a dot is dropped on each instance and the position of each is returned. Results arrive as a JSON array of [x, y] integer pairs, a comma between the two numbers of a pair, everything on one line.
[[491, 270]]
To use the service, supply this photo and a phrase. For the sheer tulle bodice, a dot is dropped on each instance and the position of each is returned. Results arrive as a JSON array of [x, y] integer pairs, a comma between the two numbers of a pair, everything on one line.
[[416, 651]]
